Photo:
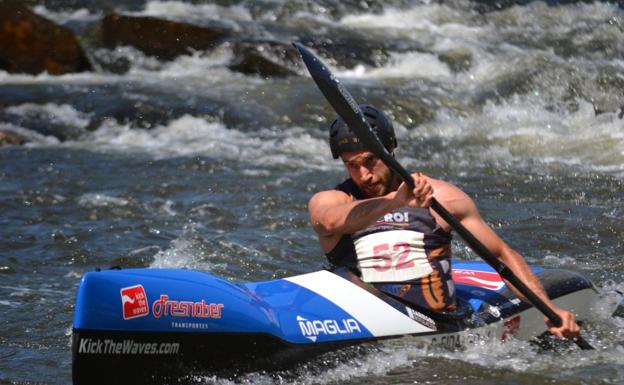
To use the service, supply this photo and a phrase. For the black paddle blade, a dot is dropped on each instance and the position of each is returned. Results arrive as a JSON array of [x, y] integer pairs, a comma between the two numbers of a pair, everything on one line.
[[345, 105]]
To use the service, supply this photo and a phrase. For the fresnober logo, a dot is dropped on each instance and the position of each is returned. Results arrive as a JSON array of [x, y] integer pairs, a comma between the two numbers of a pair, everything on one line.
[[312, 329], [134, 302], [484, 279], [168, 307]]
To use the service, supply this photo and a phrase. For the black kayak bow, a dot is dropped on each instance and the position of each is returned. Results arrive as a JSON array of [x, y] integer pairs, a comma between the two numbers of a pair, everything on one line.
[[348, 109]]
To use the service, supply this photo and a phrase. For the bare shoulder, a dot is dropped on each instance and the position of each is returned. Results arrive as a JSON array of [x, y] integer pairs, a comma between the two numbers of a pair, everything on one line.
[[328, 198], [446, 190], [452, 198], [320, 207]]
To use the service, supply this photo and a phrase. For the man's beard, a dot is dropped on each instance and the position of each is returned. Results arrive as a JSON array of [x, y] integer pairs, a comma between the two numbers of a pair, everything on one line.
[[380, 188], [374, 190]]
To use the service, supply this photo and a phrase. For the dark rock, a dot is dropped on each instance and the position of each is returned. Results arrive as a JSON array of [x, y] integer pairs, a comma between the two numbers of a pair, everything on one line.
[[505, 85], [265, 58], [163, 39], [605, 93], [485, 6], [8, 137], [458, 60], [110, 61], [33, 44], [348, 49], [284, 11]]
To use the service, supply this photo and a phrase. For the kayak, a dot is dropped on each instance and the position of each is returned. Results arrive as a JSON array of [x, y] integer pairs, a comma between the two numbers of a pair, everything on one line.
[[154, 325]]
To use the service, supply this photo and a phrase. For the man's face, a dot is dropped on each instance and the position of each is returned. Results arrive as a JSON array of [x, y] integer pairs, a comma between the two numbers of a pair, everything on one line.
[[368, 172]]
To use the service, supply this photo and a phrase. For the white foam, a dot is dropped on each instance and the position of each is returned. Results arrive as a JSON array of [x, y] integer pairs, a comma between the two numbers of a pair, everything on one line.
[[74, 275], [318, 14], [558, 261], [189, 135], [62, 114], [426, 17], [80, 78], [184, 9], [611, 299], [23, 291], [34, 138], [515, 355], [518, 129], [64, 16], [521, 356], [523, 129], [165, 207], [193, 67], [407, 65], [187, 252], [186, 135], [371, 364], [10, 303], [102, 200], [560, 19], [188, 12]]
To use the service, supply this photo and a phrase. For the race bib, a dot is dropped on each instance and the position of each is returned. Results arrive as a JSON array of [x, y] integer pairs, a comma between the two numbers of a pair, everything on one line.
[[392, 256]]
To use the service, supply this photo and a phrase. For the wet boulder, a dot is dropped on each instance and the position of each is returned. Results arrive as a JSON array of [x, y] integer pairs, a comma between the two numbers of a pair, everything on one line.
[[458, 60], [606, 92], [32, 44], [163, 39], [111, 61], [10, 138], [349, 49], [265, 58]]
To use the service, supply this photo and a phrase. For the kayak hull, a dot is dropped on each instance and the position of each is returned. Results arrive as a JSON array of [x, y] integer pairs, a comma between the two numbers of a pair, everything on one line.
[[162, 357], [155, 325]]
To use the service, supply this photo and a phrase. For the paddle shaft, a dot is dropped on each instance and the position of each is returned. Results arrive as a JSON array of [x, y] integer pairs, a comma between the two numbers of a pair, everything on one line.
[[344, 104]]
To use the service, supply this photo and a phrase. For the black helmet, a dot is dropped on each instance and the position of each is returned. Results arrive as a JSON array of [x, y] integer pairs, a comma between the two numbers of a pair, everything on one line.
[[342, 138]]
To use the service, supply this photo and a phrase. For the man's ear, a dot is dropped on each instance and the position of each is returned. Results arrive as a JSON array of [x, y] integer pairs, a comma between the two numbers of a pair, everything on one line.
[[391, 150]]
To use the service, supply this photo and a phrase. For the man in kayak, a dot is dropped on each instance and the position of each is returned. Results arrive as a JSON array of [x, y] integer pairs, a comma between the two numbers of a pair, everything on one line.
[[376, 227]]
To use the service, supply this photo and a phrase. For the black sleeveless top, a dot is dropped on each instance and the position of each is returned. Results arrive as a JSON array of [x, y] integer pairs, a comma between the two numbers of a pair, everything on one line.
[[436, 242]]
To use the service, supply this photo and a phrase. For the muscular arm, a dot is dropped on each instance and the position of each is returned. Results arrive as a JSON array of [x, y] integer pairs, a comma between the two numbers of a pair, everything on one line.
[[472, 220], [333, 213], [464, 209]]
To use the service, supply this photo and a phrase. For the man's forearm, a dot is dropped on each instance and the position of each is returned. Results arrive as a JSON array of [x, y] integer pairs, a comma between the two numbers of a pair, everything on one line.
[[356, 215], [521, 269]]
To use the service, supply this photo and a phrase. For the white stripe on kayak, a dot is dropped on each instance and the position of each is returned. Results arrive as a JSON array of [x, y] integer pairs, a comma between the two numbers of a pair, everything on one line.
[[377, 316]]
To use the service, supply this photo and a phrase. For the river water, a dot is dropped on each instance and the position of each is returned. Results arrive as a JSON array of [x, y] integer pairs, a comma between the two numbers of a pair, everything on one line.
[[188, 164]]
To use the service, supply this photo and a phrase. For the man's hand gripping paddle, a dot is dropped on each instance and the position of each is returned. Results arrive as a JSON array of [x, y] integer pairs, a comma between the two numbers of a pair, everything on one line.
[[348, 109]]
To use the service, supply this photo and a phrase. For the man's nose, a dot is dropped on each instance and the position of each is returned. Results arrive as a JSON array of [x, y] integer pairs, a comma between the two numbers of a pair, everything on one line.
[[365, 174]]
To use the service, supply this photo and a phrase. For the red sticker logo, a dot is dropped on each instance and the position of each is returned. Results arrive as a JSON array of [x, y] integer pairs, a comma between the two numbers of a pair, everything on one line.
[[484, 279], [134, 302]]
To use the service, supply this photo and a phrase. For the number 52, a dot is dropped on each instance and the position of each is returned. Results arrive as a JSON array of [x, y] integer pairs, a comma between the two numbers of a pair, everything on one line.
[[395, 256]]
